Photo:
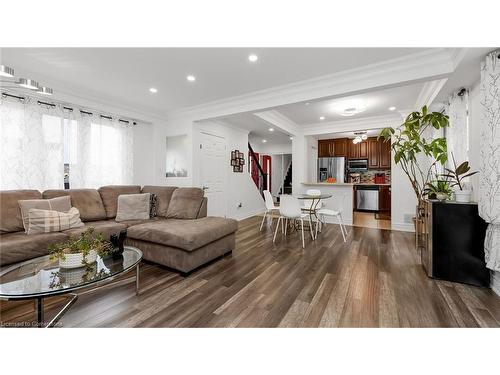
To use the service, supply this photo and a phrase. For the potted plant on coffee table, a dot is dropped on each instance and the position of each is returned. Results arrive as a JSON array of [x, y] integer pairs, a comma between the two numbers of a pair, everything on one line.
[[457, 176], [81, 251]]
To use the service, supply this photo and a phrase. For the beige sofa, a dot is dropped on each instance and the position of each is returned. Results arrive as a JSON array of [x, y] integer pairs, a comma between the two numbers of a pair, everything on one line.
[[181, 236]]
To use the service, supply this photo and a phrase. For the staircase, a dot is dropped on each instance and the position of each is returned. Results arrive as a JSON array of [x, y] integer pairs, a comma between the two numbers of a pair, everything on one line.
[[286, 188]]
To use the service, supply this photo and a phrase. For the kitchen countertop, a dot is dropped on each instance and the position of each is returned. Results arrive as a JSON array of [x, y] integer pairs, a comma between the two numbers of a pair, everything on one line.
[[343, 184]]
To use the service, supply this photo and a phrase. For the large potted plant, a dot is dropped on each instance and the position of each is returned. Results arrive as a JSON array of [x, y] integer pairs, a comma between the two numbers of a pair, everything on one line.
[[412, 150], [81, 251]]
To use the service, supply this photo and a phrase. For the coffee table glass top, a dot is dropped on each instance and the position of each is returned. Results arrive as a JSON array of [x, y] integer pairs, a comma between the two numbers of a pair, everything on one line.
[[43, 277]]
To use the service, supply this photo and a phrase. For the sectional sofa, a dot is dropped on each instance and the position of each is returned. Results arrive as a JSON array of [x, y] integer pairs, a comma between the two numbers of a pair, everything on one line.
[[181, 236]]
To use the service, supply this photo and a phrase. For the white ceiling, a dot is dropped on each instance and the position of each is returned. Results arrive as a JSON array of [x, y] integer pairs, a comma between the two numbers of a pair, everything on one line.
[[375, 102], [258, 128], [124, 75]]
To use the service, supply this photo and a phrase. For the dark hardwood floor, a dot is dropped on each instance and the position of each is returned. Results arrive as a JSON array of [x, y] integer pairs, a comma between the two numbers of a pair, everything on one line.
[[373, 280]]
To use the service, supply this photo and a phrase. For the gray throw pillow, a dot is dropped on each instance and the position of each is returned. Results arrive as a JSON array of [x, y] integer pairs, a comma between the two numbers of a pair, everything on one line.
[[133, 207], [60, 204]]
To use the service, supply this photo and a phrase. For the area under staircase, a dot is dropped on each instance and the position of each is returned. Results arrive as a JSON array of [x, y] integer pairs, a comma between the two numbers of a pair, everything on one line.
[[286, 187]]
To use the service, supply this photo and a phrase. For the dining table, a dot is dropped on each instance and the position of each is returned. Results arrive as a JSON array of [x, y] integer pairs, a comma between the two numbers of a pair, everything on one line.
[[312, 205]]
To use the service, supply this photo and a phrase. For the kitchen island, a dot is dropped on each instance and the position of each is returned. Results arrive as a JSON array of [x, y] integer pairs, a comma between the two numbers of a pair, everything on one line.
[[342, 196]]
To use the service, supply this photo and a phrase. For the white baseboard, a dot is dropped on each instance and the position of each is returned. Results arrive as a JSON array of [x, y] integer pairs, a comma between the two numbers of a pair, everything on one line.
[[250, 214], [495, 282], [403, 227]]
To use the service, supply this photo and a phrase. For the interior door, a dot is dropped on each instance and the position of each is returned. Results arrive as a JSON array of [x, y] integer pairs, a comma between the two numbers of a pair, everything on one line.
[[214, 164]]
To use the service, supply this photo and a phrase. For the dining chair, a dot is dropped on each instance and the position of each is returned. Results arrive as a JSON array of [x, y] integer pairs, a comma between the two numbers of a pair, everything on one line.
[[290, 209], [270, 207], [322, 212]]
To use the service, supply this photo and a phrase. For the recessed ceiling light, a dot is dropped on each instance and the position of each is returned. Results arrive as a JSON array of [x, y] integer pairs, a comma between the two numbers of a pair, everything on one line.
[[322, 118], [392, 108], [307, 103], [28, 84], [153, 90], [264, 140], [291, 137], [5, 71], [191, 78], [253, 57], [271, 129]]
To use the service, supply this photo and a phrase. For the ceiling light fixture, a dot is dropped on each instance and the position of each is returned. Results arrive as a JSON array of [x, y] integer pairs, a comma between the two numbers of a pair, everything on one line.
[[350, 107], [253, 57], [322, 118], [392, 108], [45, 91], [271, 129], [360, 137], [28, 84], [264, 140], [5, 71], [153, 90], [307, 103], [191, 78], [291, 138]]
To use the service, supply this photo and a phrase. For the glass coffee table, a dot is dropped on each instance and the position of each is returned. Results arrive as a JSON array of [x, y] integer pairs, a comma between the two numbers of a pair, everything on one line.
[[40, 278]]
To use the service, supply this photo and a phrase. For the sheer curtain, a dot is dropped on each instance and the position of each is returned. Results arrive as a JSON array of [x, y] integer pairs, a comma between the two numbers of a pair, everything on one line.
[[489, 174], [31, 143], [457, 134], [101, 152]]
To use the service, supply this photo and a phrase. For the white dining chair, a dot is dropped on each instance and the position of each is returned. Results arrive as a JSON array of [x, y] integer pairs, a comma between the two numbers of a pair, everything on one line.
[[308, 203], [322, 212], [290, 209], [270, 207]]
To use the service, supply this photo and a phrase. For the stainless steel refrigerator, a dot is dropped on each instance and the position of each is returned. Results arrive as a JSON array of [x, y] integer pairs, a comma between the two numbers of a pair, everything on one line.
[[331, 167]]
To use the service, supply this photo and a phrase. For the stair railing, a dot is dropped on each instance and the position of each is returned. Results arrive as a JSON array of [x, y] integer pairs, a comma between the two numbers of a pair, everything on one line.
[[262, 176]]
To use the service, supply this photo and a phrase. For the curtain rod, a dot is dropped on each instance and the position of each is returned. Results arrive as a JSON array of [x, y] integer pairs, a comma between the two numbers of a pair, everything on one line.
[[66, 106]]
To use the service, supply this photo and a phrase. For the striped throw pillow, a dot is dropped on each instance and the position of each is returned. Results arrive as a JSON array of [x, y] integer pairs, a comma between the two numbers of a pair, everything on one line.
[[45, 221]]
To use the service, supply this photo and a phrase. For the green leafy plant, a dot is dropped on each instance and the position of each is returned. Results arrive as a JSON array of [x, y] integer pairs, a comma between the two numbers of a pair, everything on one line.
[[459, 174], [410, 144], [87, 241], [436, 187]]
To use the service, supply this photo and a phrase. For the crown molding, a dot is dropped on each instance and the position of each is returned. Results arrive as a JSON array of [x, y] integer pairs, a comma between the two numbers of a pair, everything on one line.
[[366, 123], [429, 92], [280, 121], [417, 67]]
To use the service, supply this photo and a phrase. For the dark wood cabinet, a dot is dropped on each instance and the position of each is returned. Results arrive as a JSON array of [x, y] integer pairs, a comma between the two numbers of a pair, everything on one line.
[[325, 148], [363, 150], [353, 150], [340, 147], [384, 198], [385, 154], [373, 153]]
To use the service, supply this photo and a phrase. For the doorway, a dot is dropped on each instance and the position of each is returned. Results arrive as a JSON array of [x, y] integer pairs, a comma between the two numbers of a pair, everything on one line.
[[213, 165]]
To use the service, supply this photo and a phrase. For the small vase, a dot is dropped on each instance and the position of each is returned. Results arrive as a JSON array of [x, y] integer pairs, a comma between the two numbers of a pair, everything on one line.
[[441, 196], [463, 196]]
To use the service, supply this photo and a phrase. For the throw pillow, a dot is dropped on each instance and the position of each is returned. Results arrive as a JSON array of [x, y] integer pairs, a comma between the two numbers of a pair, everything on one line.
[[45, 221], [133, 207], [61, 204], [153, 206]]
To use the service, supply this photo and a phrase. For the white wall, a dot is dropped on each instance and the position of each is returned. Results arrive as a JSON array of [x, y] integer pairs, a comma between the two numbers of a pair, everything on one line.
[[240, 188], [144, 154]]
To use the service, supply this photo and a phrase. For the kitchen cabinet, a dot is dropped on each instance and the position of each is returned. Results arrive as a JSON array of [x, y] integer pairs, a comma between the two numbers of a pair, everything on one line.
[[373, 153], [385, 154], [332, 147], [340, 147], [384, 198], [325, 148], [358, 150]]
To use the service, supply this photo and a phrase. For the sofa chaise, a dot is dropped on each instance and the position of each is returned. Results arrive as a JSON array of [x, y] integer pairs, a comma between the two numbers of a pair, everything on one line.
[[181, 236]]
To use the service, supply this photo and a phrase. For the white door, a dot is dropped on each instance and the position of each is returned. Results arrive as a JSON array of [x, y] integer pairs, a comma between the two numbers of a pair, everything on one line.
[[213, 168]]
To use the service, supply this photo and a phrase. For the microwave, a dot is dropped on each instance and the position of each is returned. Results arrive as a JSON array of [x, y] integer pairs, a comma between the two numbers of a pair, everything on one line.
[[360, 165]]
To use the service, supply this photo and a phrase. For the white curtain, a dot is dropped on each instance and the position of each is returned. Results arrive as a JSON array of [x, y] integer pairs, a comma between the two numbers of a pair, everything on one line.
[[31, 143], [101, 152], [36, 141], [457, 134], [489, 177]]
